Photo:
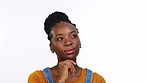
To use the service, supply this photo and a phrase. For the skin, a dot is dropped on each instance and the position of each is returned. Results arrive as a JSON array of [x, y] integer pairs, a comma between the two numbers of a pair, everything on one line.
[[65, 43]]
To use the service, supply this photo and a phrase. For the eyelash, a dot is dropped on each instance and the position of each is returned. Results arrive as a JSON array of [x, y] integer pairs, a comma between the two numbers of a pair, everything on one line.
[[61, 38], [74, 36]]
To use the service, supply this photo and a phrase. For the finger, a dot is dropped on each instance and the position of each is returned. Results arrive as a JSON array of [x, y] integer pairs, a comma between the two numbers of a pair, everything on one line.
[[73, 68], [71, 61], [70, 67], [67, 65]]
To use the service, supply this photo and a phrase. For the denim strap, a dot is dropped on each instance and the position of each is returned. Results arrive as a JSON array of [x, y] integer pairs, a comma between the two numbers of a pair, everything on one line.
[[51, 80], [89, 76], [48, 75]]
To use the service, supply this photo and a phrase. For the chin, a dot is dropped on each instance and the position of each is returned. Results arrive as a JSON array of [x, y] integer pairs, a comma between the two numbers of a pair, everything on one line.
[[70, 58]]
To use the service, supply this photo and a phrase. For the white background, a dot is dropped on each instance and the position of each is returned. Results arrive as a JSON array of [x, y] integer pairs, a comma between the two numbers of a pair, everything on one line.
[[114, 37]]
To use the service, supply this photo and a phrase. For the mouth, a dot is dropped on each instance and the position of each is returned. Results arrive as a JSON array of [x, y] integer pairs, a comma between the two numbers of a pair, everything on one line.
[[69, 51]]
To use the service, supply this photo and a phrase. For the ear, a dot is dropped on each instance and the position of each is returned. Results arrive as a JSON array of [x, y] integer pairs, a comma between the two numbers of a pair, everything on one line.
[[51, 47]]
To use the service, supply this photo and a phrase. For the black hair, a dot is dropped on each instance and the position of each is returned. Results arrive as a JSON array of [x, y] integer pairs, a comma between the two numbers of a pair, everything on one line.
[[53, 19]]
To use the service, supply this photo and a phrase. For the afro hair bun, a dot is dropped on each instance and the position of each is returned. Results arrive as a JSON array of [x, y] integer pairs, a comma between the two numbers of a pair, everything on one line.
[[54, 18]]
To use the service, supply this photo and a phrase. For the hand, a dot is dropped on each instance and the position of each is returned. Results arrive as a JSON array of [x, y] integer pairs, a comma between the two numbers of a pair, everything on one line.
[[65, 69]]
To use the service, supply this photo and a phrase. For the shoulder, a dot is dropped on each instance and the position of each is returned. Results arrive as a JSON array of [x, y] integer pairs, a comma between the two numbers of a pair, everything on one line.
[[37, 77], [97, 78]]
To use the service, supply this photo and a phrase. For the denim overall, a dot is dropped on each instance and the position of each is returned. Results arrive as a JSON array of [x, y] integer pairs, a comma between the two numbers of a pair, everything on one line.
[[50, 78]]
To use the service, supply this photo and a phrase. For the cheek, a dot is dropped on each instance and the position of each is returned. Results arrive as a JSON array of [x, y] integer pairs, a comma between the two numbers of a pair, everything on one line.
[[77, 42], [58, 46]]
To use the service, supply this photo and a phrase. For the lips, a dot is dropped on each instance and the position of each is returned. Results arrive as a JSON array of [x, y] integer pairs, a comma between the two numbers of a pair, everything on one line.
[[69, 51]]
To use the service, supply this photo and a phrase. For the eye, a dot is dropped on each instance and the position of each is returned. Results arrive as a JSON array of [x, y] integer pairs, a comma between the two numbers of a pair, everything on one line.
[[59, 38], [74, 36]]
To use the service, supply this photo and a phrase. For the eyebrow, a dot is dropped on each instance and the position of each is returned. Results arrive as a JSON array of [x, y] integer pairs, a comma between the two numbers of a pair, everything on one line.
[[69, 33], [58, 35], [72, 32]]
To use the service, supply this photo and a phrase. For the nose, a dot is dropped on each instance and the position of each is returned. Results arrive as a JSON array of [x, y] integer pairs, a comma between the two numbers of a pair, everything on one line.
[[68, 42]]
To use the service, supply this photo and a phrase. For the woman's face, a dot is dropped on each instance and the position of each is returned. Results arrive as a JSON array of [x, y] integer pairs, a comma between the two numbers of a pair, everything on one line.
[[65, 41]]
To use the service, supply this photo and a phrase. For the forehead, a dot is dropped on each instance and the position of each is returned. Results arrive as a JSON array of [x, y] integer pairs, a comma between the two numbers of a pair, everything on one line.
[[63, 28]]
